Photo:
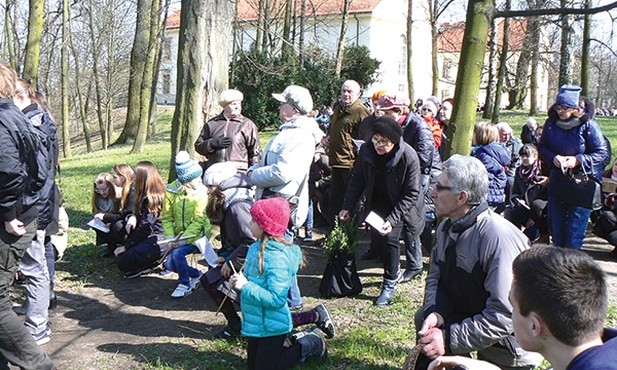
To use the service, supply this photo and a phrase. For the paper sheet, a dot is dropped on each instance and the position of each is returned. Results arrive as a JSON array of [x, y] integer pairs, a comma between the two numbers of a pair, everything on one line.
[[99, 225], [375, 220], [206, 249]]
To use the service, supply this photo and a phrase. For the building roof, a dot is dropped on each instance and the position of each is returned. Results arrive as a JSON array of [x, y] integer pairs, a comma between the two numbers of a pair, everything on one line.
[[248, 9], [450, 39]]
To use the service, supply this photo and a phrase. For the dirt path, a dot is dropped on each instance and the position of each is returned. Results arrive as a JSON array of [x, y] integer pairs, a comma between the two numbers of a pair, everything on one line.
[[128, 324]]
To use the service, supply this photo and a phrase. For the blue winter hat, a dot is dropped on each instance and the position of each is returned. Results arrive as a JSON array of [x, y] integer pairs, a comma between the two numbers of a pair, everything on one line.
[[568, 96], [186, 168]]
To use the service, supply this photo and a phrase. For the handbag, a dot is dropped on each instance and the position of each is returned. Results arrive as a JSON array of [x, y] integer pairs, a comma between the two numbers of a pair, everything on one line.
[[578, 189]]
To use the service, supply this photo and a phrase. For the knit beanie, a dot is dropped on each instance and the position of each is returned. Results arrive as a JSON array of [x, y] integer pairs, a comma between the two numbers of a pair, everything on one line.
[[387, 126], [272, 215], [186, 168], [431, 106], [219, 172], [568, 96]]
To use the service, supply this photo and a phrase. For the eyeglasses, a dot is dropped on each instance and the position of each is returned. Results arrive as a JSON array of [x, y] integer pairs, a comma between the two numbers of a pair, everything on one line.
[[563, 109], [426, 110], [101, 191], [381, 142], [441, 187]]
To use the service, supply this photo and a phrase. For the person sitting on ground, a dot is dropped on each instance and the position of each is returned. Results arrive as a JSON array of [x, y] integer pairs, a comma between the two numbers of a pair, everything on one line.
[[123, 177], [560, 301], [104, 200], [513, 146], [528, 133], [184, 211], [141, 252], [271, 263]]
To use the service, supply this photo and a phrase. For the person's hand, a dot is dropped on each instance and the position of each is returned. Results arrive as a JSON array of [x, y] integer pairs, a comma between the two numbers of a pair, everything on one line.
[[119, 250], [130, 224], [446, 362], [343, 215], [433, 320], [386, 228], [434, 343], [15, 227], [541, 180], [237, 281], [226, 270], [220, 142], [521, 202], [558, 161], [99, 216]]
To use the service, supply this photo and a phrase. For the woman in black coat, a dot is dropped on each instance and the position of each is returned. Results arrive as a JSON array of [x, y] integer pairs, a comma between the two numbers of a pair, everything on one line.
[[387, 174]]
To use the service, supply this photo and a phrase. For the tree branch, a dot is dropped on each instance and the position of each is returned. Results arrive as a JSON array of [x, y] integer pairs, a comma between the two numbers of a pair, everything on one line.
[[553, 11], [603, 44]]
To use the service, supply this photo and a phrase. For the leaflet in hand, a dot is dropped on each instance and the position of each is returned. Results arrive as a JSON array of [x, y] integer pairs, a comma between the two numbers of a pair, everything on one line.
[[175, 239], [357, 143], [99, 225], [206, 249], [375, 220]]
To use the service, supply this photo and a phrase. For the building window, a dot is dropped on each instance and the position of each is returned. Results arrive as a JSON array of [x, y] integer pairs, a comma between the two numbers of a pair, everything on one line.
[[166, 83], [445, 69], [402, 63], [167, 48]]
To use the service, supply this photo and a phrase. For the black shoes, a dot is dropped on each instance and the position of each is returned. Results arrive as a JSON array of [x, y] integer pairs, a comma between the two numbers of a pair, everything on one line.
[[324, 321], [229, 332], [409, 275]]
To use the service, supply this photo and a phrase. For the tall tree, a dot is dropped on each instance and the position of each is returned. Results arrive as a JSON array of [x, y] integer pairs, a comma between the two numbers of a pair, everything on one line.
[[501, 73], [96, 54], [33, 44], [78, 99], [9, 33], [585, 55], [203, 60], [64, 80], [491, 86], [435, 9], [409, 45], [565, 67], [340, 49]]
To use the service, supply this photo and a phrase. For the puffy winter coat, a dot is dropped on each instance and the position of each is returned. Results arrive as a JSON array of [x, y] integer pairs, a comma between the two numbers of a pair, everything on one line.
[[495, 158], [184, 209], [265, 312]]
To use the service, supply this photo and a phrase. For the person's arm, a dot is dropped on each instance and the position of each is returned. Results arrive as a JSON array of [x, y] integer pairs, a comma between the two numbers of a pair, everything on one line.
[[278, 278], [285, 168], [167, 214], [202, 144], [357, 183], [595, 149], [145, 228], [253, 148], [544, 148], [13, 177], [411, 192]]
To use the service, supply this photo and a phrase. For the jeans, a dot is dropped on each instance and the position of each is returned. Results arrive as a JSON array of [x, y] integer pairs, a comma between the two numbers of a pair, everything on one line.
[[17, 345], [33, 266], [176, 262], [141, 256], [388, 248], [308, 224], [294, 298], [413, 249], [50, 256], [567, 224]]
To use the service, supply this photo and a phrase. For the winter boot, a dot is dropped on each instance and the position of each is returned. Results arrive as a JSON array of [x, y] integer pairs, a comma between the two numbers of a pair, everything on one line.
[[312, 344], [388, 290]]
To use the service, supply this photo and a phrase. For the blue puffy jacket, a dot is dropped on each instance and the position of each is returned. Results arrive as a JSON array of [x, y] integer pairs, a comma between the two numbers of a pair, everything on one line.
[[265, 312], [495, 158]]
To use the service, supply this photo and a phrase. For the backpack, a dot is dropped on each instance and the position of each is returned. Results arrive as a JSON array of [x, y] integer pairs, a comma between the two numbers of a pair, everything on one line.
[[23, 132]]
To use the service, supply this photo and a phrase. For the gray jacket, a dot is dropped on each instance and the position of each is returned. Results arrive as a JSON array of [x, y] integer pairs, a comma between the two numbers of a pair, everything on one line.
[[469, 286]]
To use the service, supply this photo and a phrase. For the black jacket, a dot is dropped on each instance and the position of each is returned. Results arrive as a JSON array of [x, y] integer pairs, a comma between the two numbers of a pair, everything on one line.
[[17, 199], [419, 136], [402, 184], [148, 225]]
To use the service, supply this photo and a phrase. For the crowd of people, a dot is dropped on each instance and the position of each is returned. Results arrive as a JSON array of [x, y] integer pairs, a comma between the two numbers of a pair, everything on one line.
[[486, 286]]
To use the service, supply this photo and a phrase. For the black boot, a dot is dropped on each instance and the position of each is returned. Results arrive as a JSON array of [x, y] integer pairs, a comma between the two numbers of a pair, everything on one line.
[[388, 290], [312, 344], [409, 274]]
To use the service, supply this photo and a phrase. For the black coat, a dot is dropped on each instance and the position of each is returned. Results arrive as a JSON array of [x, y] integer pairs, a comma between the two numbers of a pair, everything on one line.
[[402, 184], [148, 225], [419, 136]]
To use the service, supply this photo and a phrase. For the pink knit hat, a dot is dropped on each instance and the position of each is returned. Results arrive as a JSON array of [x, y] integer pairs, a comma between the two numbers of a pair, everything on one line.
[[272, 215]]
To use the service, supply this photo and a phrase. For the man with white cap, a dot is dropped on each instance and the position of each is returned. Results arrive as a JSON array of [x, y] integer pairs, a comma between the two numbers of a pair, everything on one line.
[[284, 167], [229, 137]]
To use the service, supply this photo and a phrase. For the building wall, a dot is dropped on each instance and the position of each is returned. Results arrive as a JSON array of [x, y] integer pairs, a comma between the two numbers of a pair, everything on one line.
[[166, 86]]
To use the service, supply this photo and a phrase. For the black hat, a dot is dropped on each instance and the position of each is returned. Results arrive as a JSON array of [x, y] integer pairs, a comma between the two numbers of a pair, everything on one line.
[[388, 127]]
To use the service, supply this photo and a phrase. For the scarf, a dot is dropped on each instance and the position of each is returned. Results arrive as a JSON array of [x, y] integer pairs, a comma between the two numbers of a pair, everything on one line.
[[530, 172]]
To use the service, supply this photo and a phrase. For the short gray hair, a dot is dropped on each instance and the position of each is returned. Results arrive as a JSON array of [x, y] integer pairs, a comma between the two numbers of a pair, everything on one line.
[[467, 173]]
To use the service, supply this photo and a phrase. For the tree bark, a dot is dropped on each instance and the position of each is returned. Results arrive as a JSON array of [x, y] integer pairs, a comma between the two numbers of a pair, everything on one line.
[[491, 85], [501, 74], [95, 42], [409, 40], [479, 13], [203, 55], [301, 33], [286, 47], [64, 81], [78, 100], [434, 56], [340, 49], [565, 69], [8, 34], [585, 55], [33, 44]]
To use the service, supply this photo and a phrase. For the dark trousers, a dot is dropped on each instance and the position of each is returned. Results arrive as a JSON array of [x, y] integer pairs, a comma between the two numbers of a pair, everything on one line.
[[413, 249], [338, 188], [269, 354], [143, 255], [228, 310], [17, 346], [388, 248]]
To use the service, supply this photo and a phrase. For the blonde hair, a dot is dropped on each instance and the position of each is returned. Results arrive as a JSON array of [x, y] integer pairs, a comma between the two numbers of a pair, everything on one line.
[[24, 88], [104, 179], [148, 185], [485, 133], [8, 79], [127, 173]]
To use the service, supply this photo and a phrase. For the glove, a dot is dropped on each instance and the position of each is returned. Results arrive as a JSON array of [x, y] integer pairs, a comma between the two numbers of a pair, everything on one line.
[[220, 142]]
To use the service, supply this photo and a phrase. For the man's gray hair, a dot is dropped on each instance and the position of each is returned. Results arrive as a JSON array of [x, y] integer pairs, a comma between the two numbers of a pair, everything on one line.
[[467, 173]]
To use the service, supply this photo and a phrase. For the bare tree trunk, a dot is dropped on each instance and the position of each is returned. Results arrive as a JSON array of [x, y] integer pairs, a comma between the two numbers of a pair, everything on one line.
[[434, 58], [585, 55], [340, 49], [64, 81], [501, 74], [565, 70], [518, 92], [286, 47], [148, 77], [266, 24], [469, 75], [301, 35], [533, 84], [110, 102], [409, 40], [489, 101], [259, 32], [160, 39], [95, 74], [205, 32], [78, 100], [8, 33], [33, 44], [139, 58]]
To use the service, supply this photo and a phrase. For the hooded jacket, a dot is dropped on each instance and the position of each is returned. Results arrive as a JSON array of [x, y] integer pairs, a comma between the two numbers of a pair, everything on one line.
[[495, 158], [402, 184], [184, 209]]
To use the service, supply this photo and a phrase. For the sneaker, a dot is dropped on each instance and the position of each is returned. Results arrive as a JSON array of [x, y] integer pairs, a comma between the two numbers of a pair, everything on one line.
[[312, 344], [138, 273], [324, 321], [43, 337], [181, 291], [229, 332], [308, 236], [296, 308], [194, 283]]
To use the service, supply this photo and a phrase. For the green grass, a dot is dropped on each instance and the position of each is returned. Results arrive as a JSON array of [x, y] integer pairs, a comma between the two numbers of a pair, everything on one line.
[[368, 337]]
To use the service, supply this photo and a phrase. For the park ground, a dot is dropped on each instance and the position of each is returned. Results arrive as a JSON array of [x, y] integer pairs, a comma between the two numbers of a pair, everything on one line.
[[106, 322]]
